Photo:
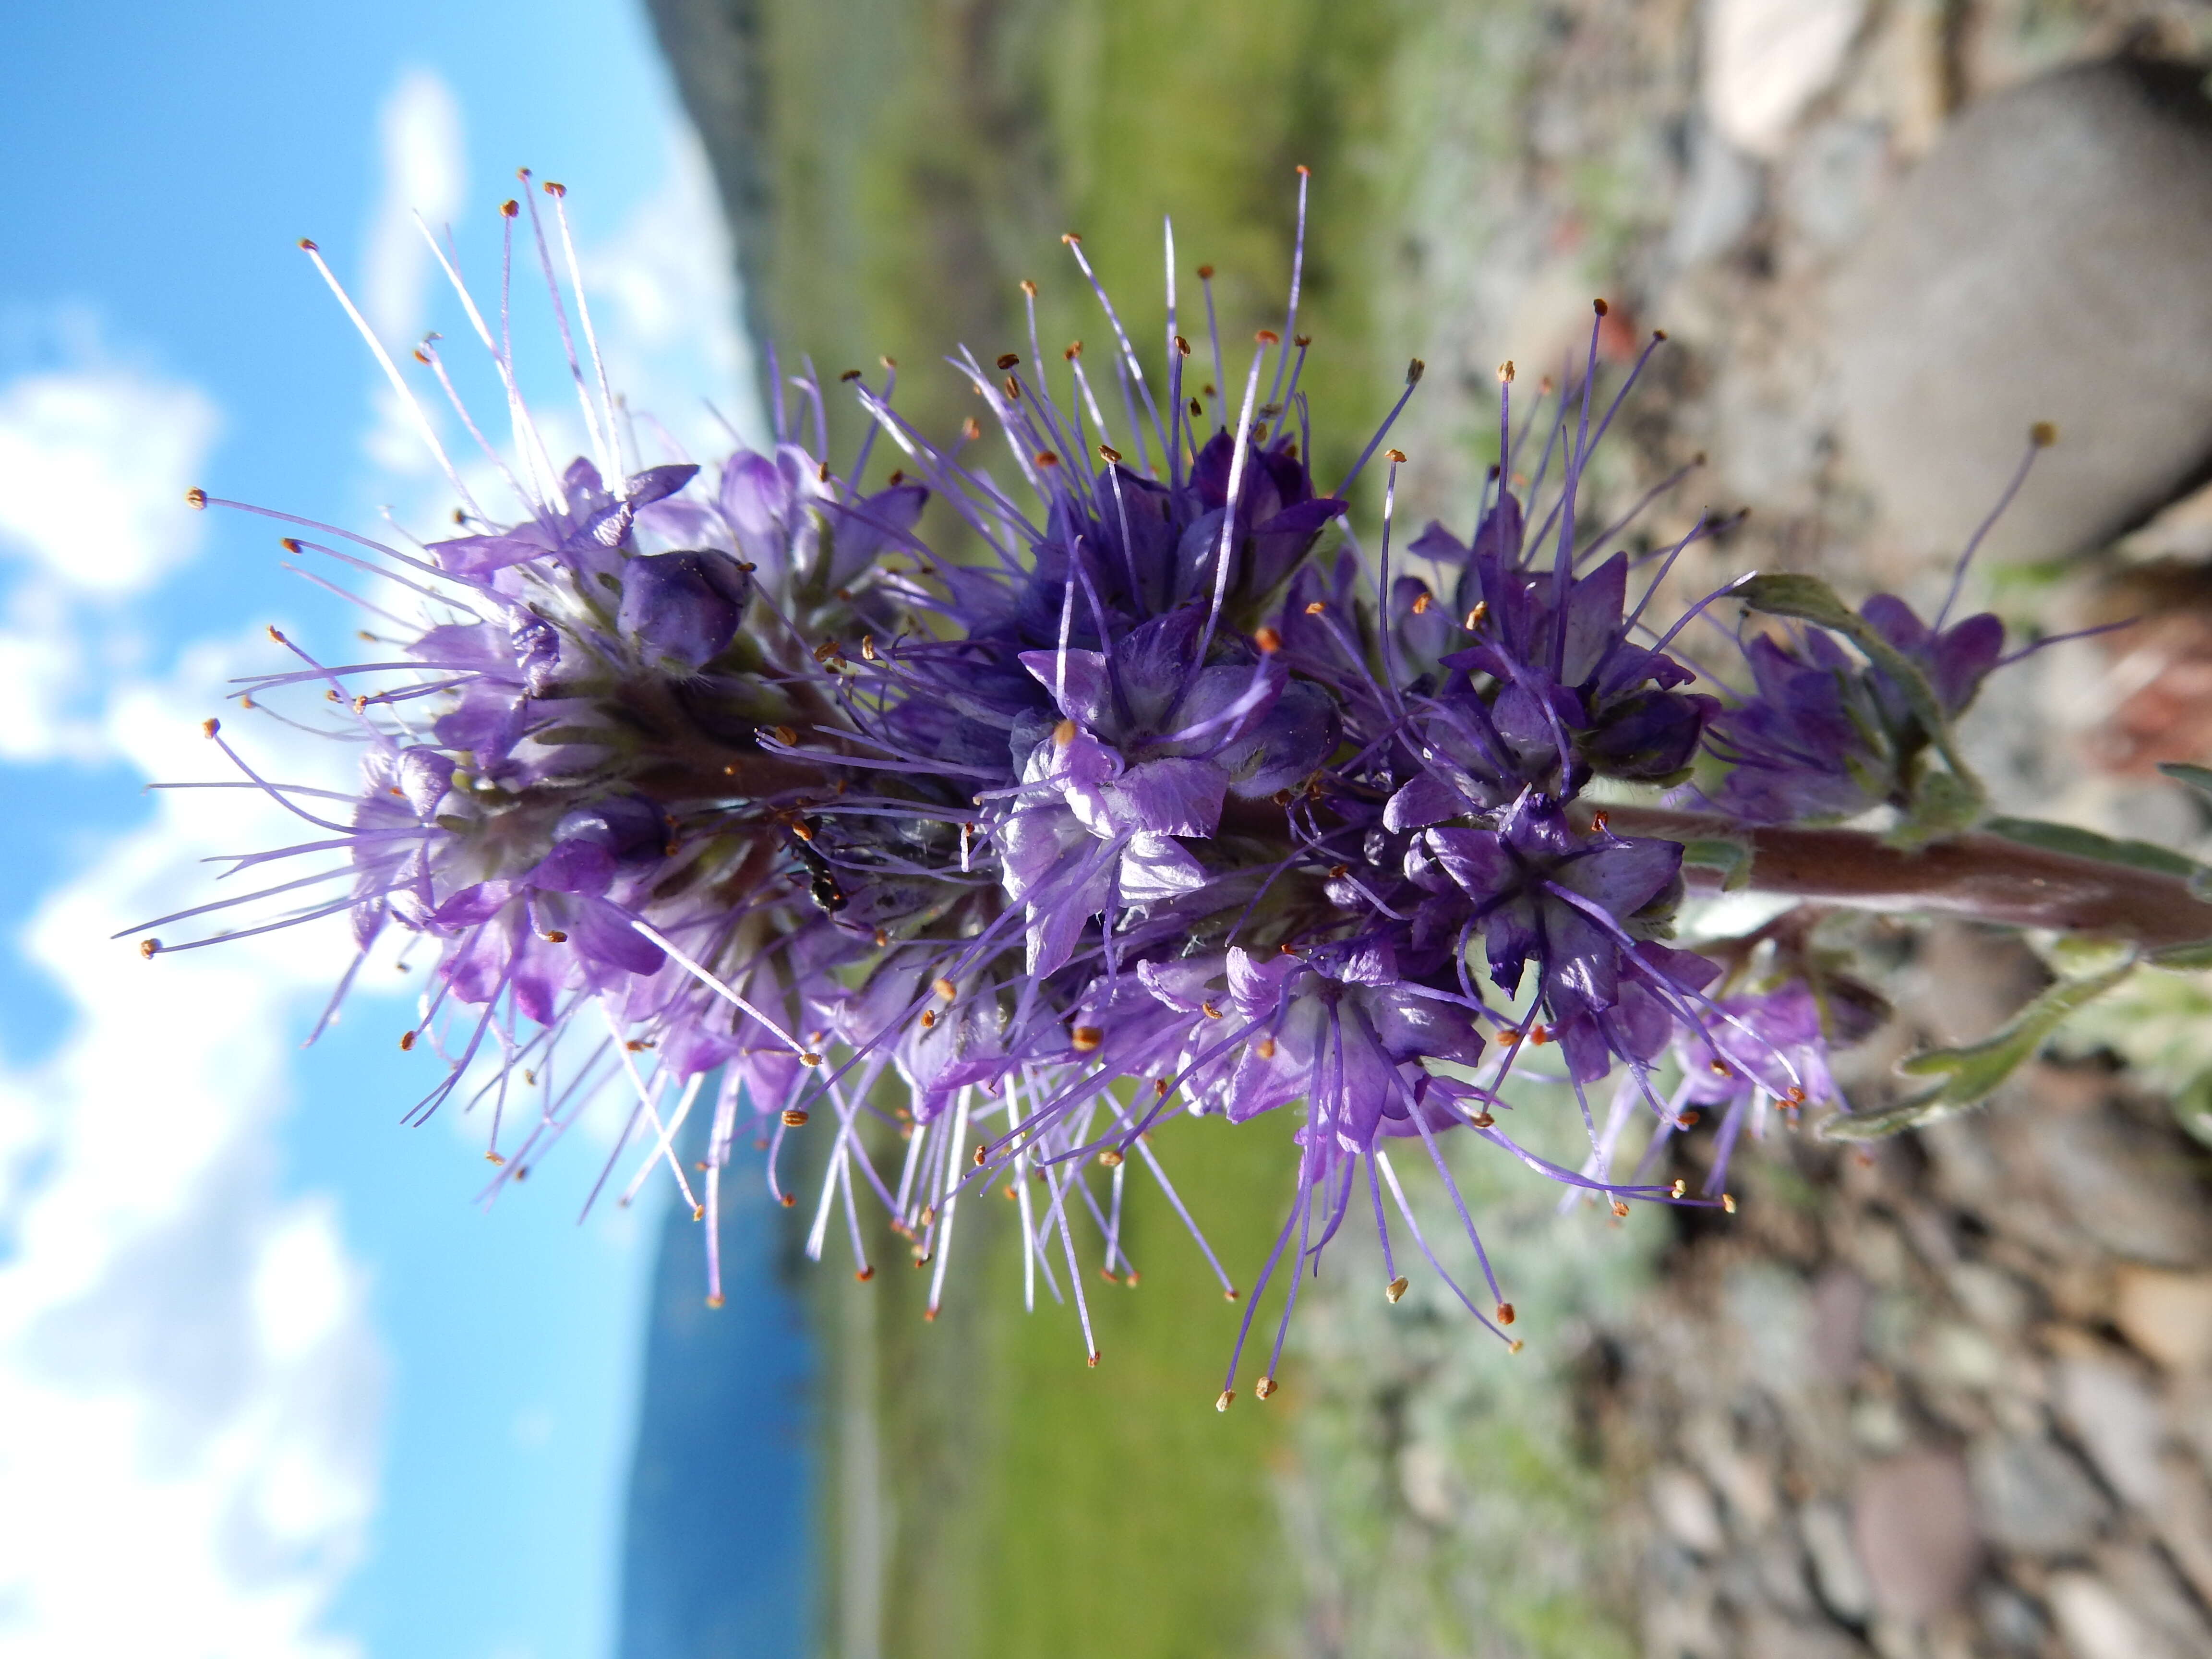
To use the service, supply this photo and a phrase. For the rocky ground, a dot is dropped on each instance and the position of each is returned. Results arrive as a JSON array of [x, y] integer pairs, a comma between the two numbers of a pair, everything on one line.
[[1950, 1397], [1954, 1396]]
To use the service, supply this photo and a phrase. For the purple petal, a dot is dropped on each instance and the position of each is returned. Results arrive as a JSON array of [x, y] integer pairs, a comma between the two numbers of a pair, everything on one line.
[[1498, 536], [602, 931], [1305, 517], [1478, 859], [1624, 875], [656, 482], [1174, 796], [424, 776], [574, 866], [684, 607], [1964, 656], [1438, 543], [1085, 699], [1182, 983], [1898, 622], [472, 906], [1427, 799], [1156, 867], [1593, 618], [479, 556], [1294, 739]]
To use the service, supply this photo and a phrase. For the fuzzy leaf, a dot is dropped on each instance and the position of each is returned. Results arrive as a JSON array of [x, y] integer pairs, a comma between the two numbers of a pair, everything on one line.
[[1731, 858], [1943, 804], [2089, 844], [1971, 1073], [2198, 778]]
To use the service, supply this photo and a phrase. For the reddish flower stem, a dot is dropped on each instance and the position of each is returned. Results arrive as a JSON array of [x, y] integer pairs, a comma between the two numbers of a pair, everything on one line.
[[1984, 877]]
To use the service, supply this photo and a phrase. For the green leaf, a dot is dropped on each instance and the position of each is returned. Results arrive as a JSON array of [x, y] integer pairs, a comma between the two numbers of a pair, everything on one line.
[[2198, 778], [1809, 599], [1731, 858], [1943, 804], [2089, 844], [1970, 1074]]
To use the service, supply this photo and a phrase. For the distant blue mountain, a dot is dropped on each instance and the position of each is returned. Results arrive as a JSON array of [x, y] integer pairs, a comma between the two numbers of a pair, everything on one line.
[[719, 1557]]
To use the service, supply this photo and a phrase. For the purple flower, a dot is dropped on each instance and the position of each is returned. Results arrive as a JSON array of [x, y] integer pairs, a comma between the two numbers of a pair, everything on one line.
[[1825, 735], [1171, 800], [1763, 1049], [682, 607], [1566, 900]]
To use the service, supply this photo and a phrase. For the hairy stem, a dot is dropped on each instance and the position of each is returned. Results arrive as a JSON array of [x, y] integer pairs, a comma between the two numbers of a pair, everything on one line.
[[1983, 876]]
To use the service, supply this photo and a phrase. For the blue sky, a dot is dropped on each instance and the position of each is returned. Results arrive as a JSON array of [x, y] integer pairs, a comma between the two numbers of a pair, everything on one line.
[[270, 1383]]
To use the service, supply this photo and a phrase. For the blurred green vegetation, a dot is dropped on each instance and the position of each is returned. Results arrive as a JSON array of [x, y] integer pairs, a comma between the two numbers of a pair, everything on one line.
[[925, 159], [1449, 1498], [1038, 1505]]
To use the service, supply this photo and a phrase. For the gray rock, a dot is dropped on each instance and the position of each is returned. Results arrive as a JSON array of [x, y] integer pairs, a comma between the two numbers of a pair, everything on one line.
[[1836, 1570], [2167, 1315], [1912, 1525], [2034, 1498], [1686, 1509], [1721, 198], [1833, 179], [1839, 1303], [1767, 60], [2097, 1622], [2010, 1620], [1765, 1635], [2130, 1190], [2132, 1608], [2046, 261], [2112, 1414]]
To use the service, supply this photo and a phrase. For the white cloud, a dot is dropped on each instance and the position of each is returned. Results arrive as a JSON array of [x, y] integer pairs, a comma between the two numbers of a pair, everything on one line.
[[189, 1379], [664, 290], [189, 1385], [95, 462], [423, 170], [95, 458], [43, 677]]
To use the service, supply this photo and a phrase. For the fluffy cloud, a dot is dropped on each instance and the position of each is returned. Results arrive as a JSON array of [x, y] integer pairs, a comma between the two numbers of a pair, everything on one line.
[[189, 1379], [662, 295], [94, 460], [189, 1384], [97, 460], [422, 169], [663, 288]]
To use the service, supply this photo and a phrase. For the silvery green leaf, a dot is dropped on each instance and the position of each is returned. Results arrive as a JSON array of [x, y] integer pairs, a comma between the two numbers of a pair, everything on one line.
[[2198, 778], [2089, 844], [2182, 957], [1943, 804], [1971, 1073], [1732, 858]]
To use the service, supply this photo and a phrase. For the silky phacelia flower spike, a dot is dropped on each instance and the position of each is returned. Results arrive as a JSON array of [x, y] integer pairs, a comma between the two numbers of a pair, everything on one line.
[[722, 789]]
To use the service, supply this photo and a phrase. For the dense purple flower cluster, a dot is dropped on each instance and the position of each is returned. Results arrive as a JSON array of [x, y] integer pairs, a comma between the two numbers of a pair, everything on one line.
[[1168, 801]]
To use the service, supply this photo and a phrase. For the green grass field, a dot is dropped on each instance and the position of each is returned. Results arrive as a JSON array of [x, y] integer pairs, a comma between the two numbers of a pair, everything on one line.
[[1040, 1506]]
